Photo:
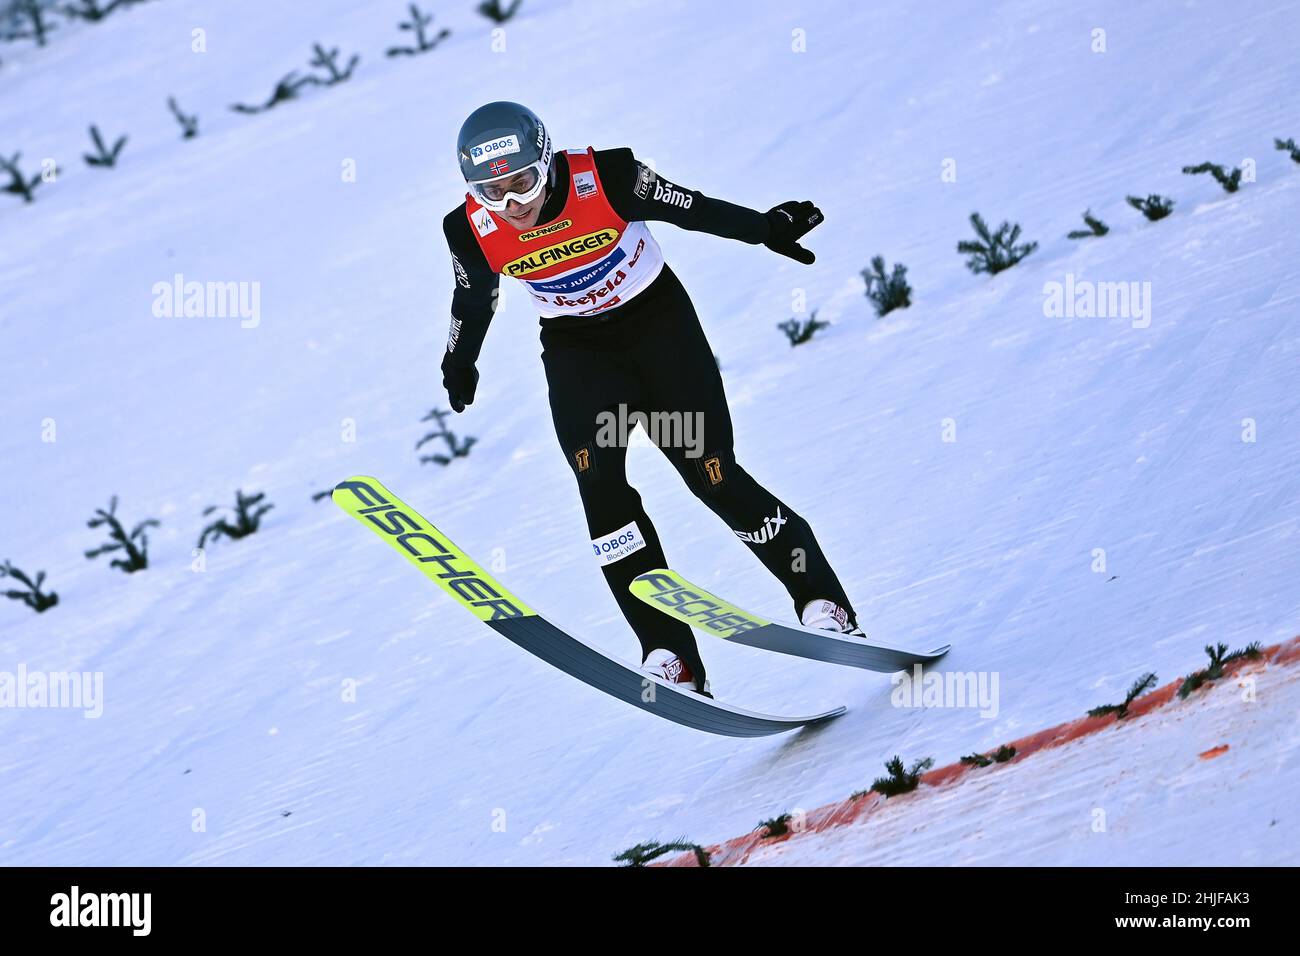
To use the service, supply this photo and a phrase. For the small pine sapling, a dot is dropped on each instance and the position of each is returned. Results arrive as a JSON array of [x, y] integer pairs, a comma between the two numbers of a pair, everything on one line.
[[456, 447], [1230, 181], [92, 10], [1154, 207], [1140, 686], [189, 124], [775, 827], [18, 183], [799, 332], [493, 10], [419, 20], [1218, 660], [248, 518], [135, 544], [1001, 755], [291, 83], [1288, 146], [326, 60], [1095, 227], [286, 89], [899, 780], [887, 292], [33, 597], [33, 12], [644, 853], [103, 156], [993, 252]]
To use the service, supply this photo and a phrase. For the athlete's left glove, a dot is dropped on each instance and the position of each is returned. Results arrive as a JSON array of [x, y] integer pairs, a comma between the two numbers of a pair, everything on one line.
[[790, 221], [460, 381]]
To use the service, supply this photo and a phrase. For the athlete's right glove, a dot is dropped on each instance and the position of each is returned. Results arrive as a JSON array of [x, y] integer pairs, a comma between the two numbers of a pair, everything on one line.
[[460, 381], [790, 221]]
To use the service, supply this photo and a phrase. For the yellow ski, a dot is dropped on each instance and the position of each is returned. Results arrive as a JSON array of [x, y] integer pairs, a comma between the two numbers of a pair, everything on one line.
[[424, 546], [671, 593]]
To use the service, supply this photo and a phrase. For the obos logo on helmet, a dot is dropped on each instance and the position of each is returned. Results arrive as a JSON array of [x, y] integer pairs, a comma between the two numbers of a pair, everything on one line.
[[494, 147]]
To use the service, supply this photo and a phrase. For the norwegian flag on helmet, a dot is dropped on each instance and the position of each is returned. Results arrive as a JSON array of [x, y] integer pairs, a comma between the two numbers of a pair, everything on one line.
[[498, 166]]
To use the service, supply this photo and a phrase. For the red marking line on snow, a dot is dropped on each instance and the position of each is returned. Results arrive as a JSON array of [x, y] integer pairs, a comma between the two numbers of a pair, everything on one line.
[[736, 851]]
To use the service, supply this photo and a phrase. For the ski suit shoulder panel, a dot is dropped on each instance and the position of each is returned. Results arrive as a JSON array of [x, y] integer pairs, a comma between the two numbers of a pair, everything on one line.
[[640, 194]]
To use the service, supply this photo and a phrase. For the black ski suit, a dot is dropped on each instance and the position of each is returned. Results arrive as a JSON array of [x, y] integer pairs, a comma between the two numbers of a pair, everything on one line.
[[648, 354]]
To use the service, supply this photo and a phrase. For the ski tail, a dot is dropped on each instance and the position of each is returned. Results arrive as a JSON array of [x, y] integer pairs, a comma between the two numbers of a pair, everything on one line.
[[424, 546]]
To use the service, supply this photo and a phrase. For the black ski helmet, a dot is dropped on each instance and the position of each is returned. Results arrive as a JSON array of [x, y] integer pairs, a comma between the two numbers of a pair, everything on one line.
[[500, 139]]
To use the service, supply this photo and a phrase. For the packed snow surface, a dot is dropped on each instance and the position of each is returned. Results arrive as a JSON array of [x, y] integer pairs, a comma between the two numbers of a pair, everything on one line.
[[1070, 501]]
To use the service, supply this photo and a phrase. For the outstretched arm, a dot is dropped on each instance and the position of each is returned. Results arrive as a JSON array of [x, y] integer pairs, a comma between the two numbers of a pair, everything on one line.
[[638, 193], [473, 302]]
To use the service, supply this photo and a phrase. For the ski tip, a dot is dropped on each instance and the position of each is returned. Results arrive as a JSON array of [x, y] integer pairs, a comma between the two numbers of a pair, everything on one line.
[[347, 483], [346, 490], [940, 651], [656, 576]]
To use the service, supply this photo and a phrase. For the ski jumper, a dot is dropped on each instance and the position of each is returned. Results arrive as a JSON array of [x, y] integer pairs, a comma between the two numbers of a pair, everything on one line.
[[620, 336]]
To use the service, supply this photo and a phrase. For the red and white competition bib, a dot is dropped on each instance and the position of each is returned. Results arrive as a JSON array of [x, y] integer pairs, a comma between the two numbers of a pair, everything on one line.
[[585, 261]]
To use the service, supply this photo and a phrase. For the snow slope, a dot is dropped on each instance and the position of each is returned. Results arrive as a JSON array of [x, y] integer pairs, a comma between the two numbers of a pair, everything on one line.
[[1077, 792], [224, 690], [1097, 801]]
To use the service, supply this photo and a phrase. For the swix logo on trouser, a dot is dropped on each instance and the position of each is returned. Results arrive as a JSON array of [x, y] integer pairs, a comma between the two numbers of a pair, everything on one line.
[[771, 527]]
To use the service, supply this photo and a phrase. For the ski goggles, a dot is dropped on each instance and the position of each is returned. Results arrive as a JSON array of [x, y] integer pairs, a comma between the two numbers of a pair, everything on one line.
[[522, 185]]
